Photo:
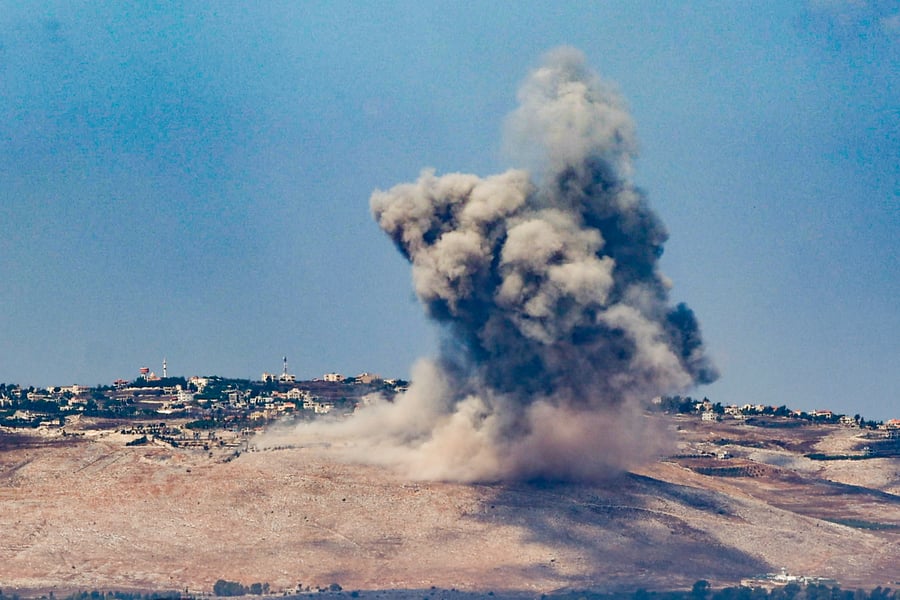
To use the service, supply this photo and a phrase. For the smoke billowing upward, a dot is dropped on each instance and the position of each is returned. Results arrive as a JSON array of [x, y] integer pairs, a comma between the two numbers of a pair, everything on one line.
[[547, 281]]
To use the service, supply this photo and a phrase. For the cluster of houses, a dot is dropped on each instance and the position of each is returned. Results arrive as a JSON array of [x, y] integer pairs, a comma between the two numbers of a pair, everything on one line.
[[712, 412], [196, 397], [771, 581], [275, 403], [277, 395]]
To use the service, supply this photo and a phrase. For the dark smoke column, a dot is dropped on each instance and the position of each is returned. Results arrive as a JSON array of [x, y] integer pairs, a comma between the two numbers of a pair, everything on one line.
[[548, 279]]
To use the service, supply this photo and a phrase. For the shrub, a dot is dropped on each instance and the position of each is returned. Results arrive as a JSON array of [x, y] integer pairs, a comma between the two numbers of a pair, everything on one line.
[[228, 588]]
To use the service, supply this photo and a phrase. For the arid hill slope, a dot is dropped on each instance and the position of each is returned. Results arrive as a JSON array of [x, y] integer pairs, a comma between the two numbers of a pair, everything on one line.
[[95, 514]]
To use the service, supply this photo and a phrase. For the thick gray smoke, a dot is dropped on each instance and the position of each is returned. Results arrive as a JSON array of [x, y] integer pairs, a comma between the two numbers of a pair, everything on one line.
[[559, 325]]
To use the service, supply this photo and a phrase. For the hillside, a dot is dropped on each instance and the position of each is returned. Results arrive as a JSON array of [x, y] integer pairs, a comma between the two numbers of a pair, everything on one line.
[[90, 512]]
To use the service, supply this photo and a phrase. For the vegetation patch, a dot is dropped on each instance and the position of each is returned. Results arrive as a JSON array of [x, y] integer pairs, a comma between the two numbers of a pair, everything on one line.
[[738, 471], [821, 456]]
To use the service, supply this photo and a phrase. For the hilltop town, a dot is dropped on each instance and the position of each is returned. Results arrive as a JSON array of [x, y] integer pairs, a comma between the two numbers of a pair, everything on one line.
[[164, 406], [200, 403]]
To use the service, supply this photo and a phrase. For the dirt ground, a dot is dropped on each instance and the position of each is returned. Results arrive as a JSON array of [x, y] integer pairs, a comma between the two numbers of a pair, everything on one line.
[[83, 513]]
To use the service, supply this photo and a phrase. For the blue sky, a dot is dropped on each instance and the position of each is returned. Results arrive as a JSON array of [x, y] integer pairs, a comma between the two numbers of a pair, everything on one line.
[[191, 180]]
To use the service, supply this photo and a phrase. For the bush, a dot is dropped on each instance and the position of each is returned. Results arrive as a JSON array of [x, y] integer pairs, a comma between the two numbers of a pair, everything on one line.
[[228, 588]]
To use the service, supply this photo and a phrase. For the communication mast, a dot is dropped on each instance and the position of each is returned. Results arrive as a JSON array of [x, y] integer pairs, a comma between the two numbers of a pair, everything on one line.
[[165, 372], [286, 377]]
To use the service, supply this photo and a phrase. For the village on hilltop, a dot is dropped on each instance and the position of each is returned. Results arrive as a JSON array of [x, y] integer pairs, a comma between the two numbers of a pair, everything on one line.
[[162, 406], [210, 402]]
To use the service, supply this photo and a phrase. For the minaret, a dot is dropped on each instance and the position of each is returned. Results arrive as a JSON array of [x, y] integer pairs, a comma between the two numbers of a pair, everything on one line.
[[165, 372]]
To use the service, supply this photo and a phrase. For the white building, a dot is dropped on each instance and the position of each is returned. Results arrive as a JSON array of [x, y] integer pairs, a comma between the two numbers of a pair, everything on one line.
[[298, 394], [322, 408], [368, 378], [199, 382]]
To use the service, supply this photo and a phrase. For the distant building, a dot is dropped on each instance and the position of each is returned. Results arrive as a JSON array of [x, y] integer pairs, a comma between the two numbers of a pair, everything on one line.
[[199, 382], [333, 377], [297, 394], [322, 408], [892, 427], [317, 406], [368, 378], [236, 397], [709, 416]]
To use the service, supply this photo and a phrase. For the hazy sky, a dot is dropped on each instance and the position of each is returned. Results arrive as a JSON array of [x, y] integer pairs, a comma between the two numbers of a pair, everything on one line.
[[191, 180]]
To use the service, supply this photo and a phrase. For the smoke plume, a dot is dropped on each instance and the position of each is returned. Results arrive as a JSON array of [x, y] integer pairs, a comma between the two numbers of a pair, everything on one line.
[[559, 328]]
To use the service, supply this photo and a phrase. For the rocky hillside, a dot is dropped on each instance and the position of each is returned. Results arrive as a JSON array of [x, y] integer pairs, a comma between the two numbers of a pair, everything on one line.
[[734, 500]]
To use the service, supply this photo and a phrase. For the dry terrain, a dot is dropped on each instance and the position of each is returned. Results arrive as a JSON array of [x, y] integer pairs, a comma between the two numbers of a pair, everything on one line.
[[88, 512]]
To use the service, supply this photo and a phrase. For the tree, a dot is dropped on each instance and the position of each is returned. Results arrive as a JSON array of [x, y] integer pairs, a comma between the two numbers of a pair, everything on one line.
[[228, 588], [791, 590], [700, 589]]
